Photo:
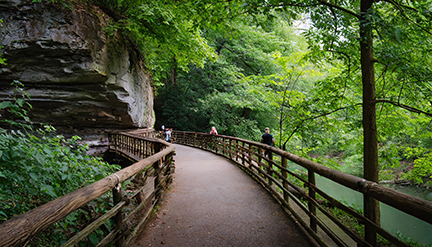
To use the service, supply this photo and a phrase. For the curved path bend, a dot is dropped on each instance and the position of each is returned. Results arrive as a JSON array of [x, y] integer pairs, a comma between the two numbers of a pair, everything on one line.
[[212, 202]]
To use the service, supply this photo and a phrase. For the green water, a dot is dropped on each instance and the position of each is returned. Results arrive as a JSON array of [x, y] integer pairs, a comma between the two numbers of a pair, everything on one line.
[[392, 219]]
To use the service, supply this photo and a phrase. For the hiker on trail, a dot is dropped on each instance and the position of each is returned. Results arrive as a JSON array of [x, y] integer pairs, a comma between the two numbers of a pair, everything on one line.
[[168, 134], [213, 131], [268, 139]]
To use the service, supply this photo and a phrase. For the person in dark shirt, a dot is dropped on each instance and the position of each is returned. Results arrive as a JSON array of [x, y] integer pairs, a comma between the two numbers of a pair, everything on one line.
[[268, 139]]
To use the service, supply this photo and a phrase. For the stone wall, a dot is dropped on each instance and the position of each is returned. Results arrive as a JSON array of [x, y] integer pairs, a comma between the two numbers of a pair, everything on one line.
[[77, 75]]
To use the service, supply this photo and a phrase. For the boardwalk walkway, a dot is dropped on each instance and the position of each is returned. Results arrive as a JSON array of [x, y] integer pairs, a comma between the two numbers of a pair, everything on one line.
[[214, 203]]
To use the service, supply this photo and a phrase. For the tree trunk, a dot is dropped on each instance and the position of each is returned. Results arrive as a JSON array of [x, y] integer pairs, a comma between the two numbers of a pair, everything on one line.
[[174, 73], [370, 149]]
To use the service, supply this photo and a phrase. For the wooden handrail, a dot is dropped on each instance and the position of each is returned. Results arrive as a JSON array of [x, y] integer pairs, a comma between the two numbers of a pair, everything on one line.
[[251, 155], [20, 228]]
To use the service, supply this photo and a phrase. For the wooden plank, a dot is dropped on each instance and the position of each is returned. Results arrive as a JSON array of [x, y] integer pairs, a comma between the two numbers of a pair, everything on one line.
[[112, 235], [141, 223], [94, 225]]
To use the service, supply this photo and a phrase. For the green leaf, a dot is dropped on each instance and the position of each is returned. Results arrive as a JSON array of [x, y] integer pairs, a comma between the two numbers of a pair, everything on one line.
[[5, 104], [93, 239], [3, 216], [34, 176], [40, 159], [398, 34], [48, 189], [64, 168]]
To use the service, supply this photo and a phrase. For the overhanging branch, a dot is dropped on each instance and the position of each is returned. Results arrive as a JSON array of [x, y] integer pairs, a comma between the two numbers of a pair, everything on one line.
[[406, 107], [315, 117], [326, 3]]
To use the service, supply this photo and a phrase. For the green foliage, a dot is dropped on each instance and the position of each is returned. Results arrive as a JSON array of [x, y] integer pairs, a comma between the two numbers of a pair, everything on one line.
[[37, 166], [16, 109], [317, 115], [218, 94], [422, 169], [162, 32]]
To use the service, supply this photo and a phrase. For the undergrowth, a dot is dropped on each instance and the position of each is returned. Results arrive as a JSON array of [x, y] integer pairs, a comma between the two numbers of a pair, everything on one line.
[[37, 166]]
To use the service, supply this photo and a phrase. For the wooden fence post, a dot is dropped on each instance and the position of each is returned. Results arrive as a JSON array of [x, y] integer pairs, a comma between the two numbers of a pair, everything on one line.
[[224, 152], [157, 167], [243, 153], [259, 155], [230, 149], [311, 205], [250, 155], [118, 218], [270, 166], [285, 175], [214, 138], [236, 150]]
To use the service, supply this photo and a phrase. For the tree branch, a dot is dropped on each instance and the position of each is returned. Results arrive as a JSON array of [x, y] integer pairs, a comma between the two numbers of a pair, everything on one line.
[[244, 62], [326, 3], [318, 116], [406, 107], [401, 11]]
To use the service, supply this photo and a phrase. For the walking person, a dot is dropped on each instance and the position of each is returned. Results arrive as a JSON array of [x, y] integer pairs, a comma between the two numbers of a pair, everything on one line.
[[268, 139], [213, 131], [168, 135]]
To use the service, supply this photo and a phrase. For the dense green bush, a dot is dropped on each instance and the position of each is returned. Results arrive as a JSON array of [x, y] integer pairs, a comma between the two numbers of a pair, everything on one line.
[[422, 170], [37, 166]]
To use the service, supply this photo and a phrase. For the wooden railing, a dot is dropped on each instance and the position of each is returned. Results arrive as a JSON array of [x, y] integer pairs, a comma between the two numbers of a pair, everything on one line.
[[268, 165], [150, 177]]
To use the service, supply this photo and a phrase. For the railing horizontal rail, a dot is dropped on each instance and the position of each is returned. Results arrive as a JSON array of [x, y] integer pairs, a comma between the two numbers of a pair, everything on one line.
[[269, 166]]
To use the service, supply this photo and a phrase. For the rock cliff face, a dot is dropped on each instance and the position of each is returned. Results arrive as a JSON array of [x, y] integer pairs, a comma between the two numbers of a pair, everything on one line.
[[78, 76]]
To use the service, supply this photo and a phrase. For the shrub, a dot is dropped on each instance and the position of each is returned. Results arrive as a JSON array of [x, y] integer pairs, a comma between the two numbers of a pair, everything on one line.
[[37, 166], [422, 169]]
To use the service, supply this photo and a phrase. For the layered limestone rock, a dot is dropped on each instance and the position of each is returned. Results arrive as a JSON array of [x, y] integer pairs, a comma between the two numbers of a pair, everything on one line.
[[78, 76]]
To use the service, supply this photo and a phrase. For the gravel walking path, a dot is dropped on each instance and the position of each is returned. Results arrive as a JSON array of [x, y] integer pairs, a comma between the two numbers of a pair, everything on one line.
[[212, 202]]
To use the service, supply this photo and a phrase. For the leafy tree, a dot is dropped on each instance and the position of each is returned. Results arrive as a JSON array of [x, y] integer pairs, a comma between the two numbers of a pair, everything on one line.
[[285, 94], [161, 32], [217, 94]]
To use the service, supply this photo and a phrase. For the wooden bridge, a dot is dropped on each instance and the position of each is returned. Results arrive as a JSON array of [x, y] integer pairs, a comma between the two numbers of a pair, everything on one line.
[[136, 190]]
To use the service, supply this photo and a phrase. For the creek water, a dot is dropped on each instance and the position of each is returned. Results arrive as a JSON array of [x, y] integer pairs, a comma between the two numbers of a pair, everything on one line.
[[392, 220]]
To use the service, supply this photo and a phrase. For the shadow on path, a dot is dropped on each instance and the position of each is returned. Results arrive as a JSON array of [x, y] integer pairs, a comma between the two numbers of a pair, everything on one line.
[[212, 202]]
